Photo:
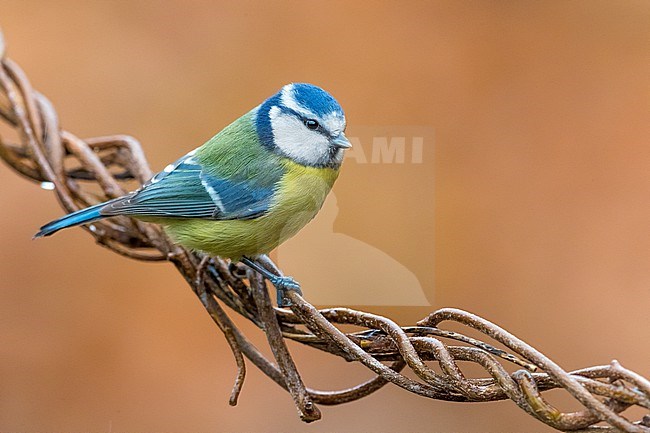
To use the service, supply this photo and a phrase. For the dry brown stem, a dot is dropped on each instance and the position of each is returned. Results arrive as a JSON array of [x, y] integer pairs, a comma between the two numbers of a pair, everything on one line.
[[45, 153]]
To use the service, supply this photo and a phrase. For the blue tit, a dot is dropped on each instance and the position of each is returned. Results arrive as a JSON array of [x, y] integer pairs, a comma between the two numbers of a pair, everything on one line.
[[247, 189]]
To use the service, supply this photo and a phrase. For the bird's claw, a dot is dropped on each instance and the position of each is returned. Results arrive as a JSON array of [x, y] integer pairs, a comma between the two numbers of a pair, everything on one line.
[[282, 285]]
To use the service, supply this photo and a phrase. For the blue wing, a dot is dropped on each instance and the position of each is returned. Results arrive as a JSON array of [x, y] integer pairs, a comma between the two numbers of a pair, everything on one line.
[[185, 190]]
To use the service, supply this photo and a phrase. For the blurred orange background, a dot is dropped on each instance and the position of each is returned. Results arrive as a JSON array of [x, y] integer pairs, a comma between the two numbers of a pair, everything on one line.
[[539, 177]]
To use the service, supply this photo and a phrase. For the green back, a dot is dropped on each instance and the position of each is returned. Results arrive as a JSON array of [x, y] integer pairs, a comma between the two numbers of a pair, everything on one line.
[[236, 153]]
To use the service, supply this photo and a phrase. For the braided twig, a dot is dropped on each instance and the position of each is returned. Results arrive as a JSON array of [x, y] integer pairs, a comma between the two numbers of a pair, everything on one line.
[[45, 153]]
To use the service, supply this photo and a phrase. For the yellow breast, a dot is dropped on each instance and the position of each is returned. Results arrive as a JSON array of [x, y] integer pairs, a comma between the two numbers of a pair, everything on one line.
[[297, 200]]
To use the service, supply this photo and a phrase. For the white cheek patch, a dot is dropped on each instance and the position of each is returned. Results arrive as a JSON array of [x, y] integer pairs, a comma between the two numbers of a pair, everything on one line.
[[296, 141]]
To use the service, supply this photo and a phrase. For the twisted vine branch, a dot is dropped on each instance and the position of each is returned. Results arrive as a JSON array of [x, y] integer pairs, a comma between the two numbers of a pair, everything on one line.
[[46, 153]]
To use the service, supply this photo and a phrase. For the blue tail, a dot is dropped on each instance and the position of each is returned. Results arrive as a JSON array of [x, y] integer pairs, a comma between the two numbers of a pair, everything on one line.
[[75, 218]]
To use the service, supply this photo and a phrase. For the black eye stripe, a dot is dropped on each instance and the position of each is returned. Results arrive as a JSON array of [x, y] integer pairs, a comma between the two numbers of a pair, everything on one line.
[[311, 124], [320, 128]]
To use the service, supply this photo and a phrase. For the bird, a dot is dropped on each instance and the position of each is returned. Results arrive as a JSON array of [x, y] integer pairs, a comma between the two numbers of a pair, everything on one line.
[[247, 189]]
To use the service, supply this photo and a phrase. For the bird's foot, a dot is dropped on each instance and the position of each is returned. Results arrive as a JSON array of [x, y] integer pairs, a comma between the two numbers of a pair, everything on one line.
[[282, 285]]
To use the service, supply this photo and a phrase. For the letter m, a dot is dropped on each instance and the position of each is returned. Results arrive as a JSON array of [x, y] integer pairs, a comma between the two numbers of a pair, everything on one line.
[[387, 152]]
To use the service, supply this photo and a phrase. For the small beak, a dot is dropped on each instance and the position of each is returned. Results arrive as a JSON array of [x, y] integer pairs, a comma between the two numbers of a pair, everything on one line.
[[341, 141]]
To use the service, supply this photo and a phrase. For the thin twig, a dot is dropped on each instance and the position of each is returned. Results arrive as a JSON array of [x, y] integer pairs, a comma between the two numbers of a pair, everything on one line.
[[308, 411], [226, 328]]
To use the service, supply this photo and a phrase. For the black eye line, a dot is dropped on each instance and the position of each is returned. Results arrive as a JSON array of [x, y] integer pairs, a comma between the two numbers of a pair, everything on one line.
[[305, 119], [319, 128]]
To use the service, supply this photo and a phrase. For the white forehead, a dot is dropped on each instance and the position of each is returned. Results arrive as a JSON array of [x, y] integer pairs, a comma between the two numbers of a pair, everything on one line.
[[288, 99], [333, 122]]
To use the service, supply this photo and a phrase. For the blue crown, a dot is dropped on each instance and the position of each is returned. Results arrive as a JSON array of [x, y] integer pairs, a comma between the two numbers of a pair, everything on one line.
[[315, 99]]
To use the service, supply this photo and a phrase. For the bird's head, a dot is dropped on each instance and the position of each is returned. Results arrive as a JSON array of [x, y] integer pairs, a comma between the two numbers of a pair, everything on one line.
[[305, 124]]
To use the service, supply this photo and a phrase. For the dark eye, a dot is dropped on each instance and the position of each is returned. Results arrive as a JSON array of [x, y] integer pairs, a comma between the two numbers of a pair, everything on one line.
[[311, 124]]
